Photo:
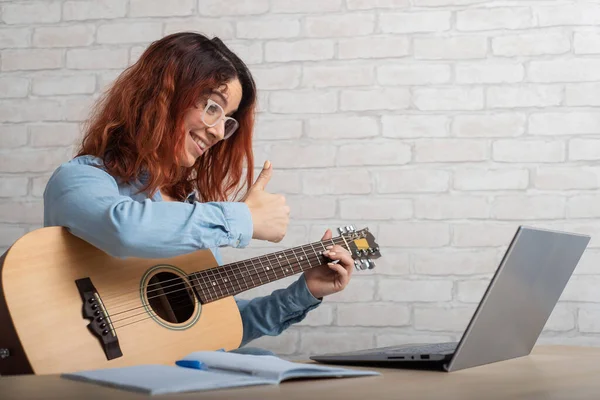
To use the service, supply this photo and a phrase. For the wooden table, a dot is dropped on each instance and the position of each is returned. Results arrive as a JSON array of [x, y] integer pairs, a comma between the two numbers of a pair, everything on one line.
[[550, 372]]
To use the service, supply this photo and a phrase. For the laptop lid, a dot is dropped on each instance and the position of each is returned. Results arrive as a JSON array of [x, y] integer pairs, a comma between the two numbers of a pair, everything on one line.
[[520, 297]]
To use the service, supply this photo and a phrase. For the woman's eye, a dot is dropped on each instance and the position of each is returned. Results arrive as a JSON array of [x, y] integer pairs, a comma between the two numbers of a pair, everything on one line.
[[212, 109]]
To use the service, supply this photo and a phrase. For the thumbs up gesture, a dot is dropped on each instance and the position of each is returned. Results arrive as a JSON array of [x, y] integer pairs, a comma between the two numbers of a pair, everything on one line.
[[270, 214]]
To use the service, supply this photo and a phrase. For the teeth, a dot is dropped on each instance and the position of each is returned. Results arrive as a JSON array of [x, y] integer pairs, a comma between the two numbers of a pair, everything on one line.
[[199, 142]]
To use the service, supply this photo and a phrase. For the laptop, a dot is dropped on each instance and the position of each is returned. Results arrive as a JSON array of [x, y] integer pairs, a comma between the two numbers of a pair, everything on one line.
[[510, 316]]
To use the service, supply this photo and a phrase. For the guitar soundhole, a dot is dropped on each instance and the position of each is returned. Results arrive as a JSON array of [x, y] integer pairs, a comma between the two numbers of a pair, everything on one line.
[[170, 297]]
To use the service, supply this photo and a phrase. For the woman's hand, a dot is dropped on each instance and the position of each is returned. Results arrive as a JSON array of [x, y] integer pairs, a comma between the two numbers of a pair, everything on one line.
[[331, 278]]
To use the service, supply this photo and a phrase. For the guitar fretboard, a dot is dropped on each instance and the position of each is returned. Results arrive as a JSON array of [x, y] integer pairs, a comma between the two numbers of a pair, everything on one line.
[[230, 279]]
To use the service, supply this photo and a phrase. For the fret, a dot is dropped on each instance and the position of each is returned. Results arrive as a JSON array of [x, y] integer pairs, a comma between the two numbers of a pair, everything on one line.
[[265, 270], [299, 263], [307, 259], [256, 270], [272, 269], [316, 254], [346, 243], [233, 268], [249, 274], [203, 293], [225, 279], [278, 257], [213, 283]]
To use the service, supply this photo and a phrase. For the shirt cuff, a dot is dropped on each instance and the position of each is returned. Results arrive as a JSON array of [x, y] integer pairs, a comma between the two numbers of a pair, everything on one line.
[[301, 297], [239, 223]]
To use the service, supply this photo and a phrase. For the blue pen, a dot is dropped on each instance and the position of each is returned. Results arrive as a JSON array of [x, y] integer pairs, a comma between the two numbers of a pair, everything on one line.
[[192, 364]]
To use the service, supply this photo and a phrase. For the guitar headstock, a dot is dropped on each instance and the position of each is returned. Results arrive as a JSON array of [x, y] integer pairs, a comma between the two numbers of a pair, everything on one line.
[[362, 246]]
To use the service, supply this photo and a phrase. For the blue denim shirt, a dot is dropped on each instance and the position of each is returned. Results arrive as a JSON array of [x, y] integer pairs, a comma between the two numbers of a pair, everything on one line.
[[113, 217]]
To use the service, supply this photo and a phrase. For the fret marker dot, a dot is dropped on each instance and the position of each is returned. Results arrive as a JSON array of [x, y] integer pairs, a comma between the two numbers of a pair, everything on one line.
[[302, 258], [214, 283], [267, 268]]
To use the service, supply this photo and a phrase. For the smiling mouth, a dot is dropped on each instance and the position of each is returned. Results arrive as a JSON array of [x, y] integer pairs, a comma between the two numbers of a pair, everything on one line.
[[199, 142]]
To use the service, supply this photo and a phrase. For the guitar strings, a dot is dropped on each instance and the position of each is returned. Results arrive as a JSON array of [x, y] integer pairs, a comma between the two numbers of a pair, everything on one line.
[[151, 311], [235, 268]]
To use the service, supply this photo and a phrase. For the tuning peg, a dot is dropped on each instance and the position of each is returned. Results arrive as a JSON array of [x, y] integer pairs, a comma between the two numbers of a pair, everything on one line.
[[364, 263], [341, 230], [350, 228]]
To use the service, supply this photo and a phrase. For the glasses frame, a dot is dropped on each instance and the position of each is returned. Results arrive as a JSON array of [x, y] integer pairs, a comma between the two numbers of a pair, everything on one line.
[[223, 117]]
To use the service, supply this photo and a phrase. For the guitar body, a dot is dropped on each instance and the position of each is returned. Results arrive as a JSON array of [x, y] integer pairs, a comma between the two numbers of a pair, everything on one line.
[[42, 323]]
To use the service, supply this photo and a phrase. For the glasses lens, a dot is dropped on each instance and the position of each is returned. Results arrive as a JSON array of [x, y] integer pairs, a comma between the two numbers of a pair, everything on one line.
[[231, 126], [212, 113]]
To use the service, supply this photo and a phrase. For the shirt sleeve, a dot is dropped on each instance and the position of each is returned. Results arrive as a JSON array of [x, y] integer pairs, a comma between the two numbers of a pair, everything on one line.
[[86, 200], [270, 315]]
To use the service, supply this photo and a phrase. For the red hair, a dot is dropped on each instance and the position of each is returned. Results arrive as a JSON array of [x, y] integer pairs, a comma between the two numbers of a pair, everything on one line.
[[137, 125]]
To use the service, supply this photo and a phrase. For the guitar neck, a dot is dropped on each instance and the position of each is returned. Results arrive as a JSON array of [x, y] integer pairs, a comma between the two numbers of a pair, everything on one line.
[[231, 279]]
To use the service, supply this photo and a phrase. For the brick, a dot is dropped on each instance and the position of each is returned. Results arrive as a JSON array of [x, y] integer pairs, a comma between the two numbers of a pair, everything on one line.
[[531, 44], [300, 50], [588, 264], [312, 207], [588, 317], [306, 6], [76, 108], [59, 85], [51, 135], [567, 70], [38, 185], [281, 77], [106, 79], [452, 207], [13, 186], [374, 99], [482, 234], [581, 288], [451, 150], [12, 136], [374, 4], [371, 315], [320, 316], [583, 206], [209, 27], [377, 153], [584, 149], [9, 234], [375, 209], [331, 76], [434, 3], [415, 126], [489, 125], [572, 14], [98, 58], [284, 344], [268, 28], [128, 32], [31, 13], [490, 72], [13, 87], [455, 261], [22, 212], [277, 129], [443, 318], [564, 178], [395, 262], [159, 8], [249, 52], [522, 207], [393, 289], [412, 180], [414, 234], [514, 150], [83, 10], [15, 60], [450, 48], [471, 291], [329, 128], [360, 289], [355, 24], [560, 123], [64, 36], [15, 38], [448, 98], [301, 156], [413, 74], [491, 179], [17, 110], [414, 22], [337, 182], [582, 94], [373, 47], [27, 160], [303, 102], [483, 19], [218, 8], [524, 96], [319, 343], [283, 181], [562, 319], [586, 43]]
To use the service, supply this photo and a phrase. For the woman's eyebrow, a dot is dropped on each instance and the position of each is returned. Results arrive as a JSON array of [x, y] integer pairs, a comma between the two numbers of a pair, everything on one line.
[[221, 96]]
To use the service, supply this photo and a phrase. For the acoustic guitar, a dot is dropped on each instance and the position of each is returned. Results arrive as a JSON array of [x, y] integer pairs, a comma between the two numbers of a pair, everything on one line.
[[67, 306]]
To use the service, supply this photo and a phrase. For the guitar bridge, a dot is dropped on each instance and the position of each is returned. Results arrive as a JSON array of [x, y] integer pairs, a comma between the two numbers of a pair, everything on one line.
[[100, 324]]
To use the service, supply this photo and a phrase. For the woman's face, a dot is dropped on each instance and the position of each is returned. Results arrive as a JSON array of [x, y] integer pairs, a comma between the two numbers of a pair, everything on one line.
[[200, 137]]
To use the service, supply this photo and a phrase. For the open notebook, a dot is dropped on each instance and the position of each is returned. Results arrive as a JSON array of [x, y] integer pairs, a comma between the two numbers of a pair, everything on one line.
[[207, 370]]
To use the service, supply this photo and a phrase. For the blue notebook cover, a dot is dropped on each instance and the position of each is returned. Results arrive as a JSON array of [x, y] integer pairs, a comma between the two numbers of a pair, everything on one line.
[[209, 370]]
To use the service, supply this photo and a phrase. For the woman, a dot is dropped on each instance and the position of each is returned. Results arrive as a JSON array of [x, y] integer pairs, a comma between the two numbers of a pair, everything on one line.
[[163, 152]]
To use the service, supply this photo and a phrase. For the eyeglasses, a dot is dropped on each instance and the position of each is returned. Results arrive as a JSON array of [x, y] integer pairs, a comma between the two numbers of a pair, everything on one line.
[[214, 113]]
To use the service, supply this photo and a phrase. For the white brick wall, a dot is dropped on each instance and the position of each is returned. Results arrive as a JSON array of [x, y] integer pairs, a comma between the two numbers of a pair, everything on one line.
[[439, 124]]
